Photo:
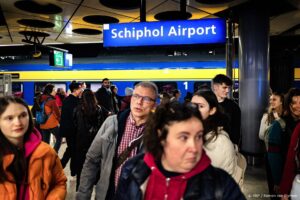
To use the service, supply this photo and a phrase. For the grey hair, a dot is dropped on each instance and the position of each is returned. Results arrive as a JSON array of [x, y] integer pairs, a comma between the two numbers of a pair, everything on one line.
[[148, 84]]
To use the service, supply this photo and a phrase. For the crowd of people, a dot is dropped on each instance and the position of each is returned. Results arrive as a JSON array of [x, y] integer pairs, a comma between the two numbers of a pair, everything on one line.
[[139, 147], [279, 130]]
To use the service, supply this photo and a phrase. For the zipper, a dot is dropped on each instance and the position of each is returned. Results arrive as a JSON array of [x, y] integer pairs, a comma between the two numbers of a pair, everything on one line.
[[167, 184]]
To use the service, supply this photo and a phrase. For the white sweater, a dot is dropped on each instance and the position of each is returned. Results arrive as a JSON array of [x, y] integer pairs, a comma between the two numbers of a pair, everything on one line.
[[222, 153], [264, 125]]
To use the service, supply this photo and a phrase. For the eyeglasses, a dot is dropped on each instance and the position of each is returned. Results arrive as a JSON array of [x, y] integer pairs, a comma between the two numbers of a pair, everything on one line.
[[144, 98]]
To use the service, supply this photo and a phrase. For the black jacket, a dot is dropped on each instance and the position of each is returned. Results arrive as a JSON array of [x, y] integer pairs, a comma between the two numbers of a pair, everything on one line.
[[66, 121], [105, 99], [212, 183], [233, 112], [86, 130]]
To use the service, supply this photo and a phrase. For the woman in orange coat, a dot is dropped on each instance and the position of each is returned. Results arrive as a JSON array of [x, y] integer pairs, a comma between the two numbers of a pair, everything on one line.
[[29, 168], [53, 112]]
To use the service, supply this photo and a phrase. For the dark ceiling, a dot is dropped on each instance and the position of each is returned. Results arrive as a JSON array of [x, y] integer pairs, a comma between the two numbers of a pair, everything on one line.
[[67, 22]]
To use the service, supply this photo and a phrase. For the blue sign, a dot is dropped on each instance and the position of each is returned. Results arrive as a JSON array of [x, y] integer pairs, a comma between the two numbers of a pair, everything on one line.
[[68, 59], [204, 31]]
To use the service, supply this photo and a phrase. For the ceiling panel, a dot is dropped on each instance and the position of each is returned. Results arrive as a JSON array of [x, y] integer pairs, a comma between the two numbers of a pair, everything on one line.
[[73, 12], [284, 22], [97, 7]]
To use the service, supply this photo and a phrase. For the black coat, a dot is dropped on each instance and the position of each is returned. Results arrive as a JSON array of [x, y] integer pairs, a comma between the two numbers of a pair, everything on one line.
[[233, 112], [86, 130], [105, 99], [212, 183], [66, 121]]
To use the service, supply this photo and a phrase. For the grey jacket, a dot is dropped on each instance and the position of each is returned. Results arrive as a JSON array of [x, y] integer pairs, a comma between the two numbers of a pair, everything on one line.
[[99, 157]]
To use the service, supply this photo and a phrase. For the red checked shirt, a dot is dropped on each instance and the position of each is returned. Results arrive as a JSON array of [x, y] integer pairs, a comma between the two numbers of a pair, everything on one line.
[[131, 133]]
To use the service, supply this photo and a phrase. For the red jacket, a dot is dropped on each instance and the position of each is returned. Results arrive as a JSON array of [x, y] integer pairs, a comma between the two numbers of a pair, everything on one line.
[[58, 100], [158, 186], [290, 166]]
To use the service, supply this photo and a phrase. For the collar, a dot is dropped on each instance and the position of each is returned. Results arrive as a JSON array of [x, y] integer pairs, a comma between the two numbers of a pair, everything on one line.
[[132, 121], [202, 164]]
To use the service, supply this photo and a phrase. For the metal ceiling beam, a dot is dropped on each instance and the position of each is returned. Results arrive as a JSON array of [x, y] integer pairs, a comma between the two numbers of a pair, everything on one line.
[[143, 11], [183, 6], [4, 23], [44, 46], [78, 6]]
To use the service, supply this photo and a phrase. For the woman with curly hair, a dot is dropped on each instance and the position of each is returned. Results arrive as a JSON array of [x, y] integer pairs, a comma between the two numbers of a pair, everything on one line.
[[175, 166]]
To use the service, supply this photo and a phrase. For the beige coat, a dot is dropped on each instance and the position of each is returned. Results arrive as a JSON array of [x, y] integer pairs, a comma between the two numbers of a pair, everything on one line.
[[224, 155]]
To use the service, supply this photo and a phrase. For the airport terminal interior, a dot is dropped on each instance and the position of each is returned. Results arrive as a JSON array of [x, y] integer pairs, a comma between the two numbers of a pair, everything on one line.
[[259, 48]]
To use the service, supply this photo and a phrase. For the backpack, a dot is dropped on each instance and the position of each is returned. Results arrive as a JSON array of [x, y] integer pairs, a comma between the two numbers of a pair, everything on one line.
[[41, 116]]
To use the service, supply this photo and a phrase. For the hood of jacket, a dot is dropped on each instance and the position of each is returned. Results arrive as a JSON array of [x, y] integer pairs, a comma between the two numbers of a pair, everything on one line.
[[202, 164], [33, 141]]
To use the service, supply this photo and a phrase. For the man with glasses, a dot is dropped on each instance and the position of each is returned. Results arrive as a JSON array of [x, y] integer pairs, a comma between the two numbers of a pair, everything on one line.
[[118, 139]]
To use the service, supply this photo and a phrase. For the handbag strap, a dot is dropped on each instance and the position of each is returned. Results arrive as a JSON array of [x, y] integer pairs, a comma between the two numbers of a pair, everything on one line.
[[125, 154]]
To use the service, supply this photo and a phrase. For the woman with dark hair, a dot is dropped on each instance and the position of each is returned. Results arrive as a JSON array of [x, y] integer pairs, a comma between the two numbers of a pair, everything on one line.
[[53, 112], [29, 168], [175, 166], [88, 118], [218, 145], [291, 142], [291, 114]]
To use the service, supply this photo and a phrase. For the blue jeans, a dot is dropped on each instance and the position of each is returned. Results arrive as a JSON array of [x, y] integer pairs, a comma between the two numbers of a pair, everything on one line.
[[46, 137]]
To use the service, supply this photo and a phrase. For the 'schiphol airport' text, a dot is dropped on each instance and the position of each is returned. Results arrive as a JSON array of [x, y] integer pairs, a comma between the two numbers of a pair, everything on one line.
[[172, 31]]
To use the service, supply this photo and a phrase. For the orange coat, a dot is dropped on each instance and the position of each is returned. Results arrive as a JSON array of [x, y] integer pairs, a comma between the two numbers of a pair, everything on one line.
[[46, 176], [51, 109]]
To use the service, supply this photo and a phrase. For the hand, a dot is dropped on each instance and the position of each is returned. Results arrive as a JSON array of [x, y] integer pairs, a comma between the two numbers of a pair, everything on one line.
[[285, 197]]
